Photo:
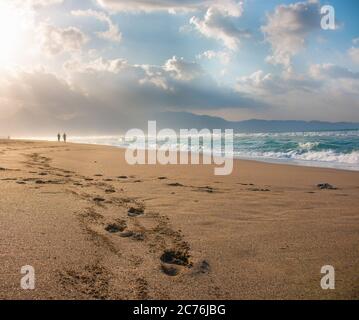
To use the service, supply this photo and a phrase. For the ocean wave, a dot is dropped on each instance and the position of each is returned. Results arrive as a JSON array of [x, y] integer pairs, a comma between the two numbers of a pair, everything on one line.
[[328, 156], [346, 133], [308, 145]]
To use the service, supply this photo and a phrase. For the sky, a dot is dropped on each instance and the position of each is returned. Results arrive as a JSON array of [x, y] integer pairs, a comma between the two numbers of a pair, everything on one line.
[[98, 65]]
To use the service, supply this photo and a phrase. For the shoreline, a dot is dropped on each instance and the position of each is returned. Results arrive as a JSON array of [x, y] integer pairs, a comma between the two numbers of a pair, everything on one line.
[[298, 163]]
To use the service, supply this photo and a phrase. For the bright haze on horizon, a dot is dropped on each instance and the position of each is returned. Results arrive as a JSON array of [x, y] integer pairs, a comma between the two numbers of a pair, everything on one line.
[[107, 65]]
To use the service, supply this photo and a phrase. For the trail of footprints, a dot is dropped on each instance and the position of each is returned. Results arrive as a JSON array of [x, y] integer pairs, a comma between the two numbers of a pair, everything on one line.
[[111, 215]]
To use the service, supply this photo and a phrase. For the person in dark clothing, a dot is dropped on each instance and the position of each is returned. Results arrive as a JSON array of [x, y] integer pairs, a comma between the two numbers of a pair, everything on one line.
[[64, 137], [58, 137]]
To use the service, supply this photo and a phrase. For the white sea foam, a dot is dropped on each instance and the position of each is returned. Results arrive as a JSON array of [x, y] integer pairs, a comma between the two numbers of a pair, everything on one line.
[[330, 156], [313, 158], [308, 145]]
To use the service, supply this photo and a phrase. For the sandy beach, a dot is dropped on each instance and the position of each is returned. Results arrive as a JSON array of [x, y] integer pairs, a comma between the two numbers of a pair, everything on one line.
[[94, 227]]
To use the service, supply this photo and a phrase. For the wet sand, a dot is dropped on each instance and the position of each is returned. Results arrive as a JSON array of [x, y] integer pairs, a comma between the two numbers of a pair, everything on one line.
[[94, 227]]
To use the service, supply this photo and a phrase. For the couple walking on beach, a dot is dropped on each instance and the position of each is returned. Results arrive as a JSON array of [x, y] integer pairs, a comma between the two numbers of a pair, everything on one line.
[[59, 137]]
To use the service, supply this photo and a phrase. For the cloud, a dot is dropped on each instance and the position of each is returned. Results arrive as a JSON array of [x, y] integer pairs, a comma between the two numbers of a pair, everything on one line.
[[181, 69], [337, 81], [326, 91], [55, 40], [224, 57], [98, 65], [155, 77], [319, 78], [41, 3], [330, 71], [267, 84], [354, 54], [42, 94], [106, 95], [111, 34], [217, 24], [174, 68], [287, 28], [230, 7]]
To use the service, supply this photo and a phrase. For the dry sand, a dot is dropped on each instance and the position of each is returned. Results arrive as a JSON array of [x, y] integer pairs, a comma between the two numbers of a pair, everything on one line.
[[263, 232]]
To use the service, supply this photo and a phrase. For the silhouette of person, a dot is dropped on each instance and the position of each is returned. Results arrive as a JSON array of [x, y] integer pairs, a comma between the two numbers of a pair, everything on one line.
[[64, 136], [58, 137]]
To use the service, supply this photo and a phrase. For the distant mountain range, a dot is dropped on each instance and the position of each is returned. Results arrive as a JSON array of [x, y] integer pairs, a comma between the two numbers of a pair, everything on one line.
[[28, 123], [178, 120]]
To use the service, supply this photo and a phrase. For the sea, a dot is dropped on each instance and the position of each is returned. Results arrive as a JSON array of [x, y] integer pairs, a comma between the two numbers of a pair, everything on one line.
[[330, 149]]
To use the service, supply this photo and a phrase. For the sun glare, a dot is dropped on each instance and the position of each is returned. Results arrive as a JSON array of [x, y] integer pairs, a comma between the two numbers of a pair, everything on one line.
[[13, 26]]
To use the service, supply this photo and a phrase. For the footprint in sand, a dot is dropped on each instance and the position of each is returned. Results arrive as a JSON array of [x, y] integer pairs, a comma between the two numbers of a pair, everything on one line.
[[175, 184], [172, 260], [115, 227], [176, 257], [202, 268], [134, 212], [170, 270], [326, 186], [98, 199], [258, 189], [206, 189], [126, 234], [138, 236]]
